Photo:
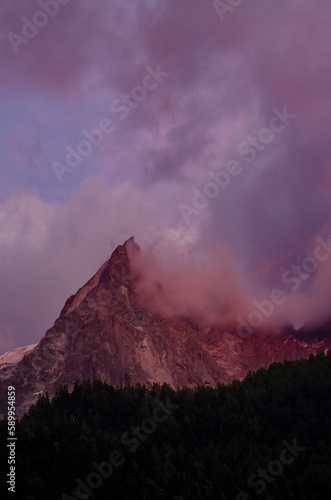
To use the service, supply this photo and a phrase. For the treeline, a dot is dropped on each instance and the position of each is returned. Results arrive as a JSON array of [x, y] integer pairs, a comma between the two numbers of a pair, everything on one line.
[[272, 429]]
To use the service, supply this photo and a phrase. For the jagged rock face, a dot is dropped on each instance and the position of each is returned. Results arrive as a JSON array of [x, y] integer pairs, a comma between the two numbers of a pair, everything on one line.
[[103, 332]]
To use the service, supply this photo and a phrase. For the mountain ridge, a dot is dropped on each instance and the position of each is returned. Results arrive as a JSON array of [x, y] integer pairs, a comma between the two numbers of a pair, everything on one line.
[[104, 332]]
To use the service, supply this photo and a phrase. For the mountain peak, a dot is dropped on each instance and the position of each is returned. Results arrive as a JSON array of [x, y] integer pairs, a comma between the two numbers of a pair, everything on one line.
[[103, 332], [117, 268], [122, 253], [115, 272]]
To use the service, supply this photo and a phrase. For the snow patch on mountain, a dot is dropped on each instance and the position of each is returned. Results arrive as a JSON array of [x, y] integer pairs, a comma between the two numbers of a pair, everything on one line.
[[15, 355]]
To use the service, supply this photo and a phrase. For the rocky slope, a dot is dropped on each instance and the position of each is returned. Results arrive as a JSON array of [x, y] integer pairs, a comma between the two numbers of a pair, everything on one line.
[[103, 332]]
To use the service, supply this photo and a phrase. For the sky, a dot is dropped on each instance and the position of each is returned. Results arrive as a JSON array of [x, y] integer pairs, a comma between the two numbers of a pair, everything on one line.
[[200, 127]]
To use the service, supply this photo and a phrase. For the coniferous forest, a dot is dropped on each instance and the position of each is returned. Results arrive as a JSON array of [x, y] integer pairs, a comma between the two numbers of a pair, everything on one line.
[[266, 437]]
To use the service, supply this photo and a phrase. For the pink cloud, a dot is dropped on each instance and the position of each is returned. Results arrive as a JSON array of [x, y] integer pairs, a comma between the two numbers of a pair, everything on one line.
[[224, 81]]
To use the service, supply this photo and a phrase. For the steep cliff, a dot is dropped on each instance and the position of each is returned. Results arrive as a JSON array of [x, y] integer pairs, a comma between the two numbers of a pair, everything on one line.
[[103, 332]]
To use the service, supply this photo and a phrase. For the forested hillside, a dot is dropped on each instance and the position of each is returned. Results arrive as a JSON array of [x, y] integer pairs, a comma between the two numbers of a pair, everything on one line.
[[268, 436]]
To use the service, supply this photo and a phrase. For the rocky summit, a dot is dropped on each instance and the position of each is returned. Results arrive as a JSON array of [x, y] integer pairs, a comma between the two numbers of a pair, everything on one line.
[[104, 332]]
